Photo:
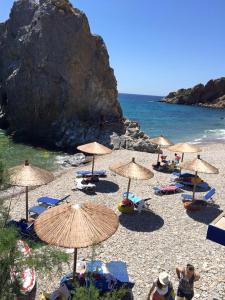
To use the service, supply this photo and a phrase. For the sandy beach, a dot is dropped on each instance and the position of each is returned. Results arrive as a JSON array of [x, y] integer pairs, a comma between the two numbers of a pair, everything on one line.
[[149, 242]]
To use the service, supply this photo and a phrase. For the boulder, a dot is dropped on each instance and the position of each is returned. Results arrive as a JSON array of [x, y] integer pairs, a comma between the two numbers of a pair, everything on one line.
[[55, 75]]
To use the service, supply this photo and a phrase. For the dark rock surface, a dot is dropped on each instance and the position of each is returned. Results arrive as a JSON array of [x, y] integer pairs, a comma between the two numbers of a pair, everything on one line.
[[53, 71], [57, 88], [211, 95]]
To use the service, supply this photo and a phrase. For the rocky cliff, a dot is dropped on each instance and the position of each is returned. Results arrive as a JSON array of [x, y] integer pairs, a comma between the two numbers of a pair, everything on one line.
[[54, 74], [211, 95], [56, 85]]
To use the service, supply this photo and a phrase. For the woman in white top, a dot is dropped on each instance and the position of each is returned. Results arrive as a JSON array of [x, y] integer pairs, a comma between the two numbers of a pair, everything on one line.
[[161, 288]]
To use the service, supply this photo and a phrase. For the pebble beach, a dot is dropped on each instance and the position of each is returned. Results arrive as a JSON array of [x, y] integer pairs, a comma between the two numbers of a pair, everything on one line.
[[150, 242]]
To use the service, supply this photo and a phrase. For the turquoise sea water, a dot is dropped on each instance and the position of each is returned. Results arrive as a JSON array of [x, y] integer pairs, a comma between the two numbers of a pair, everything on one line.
[[179, 123]]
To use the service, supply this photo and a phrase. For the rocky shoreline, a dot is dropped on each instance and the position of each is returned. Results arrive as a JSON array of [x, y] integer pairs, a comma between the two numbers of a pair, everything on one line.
[[210, 95]]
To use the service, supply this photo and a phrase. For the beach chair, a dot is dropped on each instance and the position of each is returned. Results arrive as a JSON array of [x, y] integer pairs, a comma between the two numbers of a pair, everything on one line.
[[37, 209], [25, 229], [83, 173], [138, 203], [51, 201], [45, 203], [83, 185], [207, 198], [168, 189], [130, 195]]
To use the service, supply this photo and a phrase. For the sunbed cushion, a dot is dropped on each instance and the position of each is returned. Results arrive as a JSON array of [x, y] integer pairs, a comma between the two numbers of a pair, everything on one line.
[[37, 209], [49, 201]]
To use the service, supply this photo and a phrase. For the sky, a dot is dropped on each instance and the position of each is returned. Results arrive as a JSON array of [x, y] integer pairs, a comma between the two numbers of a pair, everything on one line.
[[157, 46]]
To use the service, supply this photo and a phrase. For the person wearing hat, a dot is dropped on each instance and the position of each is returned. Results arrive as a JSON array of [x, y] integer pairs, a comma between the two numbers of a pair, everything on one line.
[[162, 288], [187, 276]]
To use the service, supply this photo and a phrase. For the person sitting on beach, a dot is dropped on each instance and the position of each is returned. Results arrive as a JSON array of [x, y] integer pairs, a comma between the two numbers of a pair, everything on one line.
[[177, 158], [187, 276], [162, 288], [163, 158], [172, 165]]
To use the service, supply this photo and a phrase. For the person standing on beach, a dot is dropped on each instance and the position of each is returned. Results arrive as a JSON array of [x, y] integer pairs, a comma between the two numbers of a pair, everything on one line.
[[162, 288], [187, 276]]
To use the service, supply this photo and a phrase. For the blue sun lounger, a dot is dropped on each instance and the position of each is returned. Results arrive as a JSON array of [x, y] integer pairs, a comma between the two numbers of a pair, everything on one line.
[[100, 173], [51, 201], [137, 201], [37, 210], [45, 202], [207, 198]]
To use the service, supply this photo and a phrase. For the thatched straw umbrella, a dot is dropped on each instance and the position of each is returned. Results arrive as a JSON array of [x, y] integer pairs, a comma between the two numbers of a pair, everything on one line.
[[76, 226], [94, 148], [161, 141], [132, 170], [198, 165], [27, 175], [184, 148]]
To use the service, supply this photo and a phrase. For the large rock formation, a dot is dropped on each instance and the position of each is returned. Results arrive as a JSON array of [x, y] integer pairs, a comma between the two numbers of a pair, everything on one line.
[[54, 72], [211, 95], [56, 85]]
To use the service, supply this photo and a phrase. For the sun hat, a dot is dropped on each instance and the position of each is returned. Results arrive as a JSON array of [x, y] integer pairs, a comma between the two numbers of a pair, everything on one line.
[[164, 278]]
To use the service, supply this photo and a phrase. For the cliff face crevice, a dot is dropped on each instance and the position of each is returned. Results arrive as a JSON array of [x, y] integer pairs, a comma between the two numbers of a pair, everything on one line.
[[211, 95], [54, 72]]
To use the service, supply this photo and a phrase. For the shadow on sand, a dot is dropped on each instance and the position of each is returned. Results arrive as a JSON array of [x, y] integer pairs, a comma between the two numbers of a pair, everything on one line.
[[146, 221], [206, 215], [105, 186], [198, 188]]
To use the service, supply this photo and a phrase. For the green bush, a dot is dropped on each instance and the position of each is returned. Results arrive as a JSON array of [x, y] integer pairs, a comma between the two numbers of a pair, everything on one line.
[[92, 293], [42, 259]]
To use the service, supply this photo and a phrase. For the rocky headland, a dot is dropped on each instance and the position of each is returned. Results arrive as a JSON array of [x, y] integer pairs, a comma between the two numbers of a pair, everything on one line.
[[57, 88], [210, 95]]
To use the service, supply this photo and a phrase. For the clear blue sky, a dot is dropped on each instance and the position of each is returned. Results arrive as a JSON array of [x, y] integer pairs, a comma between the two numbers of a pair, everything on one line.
[[157, 46]]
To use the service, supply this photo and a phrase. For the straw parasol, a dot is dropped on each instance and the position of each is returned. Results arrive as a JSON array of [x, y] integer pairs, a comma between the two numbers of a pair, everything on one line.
[[76, 226], [161, 141], [27, 175], [94, 148], [132, 170], [184, 148], [198, 165]]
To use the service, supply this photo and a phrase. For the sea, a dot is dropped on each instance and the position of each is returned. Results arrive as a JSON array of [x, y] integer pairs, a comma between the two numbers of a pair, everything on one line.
[[179, 123]]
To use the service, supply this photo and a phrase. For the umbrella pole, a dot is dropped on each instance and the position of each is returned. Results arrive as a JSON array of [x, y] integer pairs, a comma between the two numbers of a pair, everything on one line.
[[74, 263], [93, 164], [158, 154], [194, 187], [128, 187], [158, 158], [182, 157], [27, 203]]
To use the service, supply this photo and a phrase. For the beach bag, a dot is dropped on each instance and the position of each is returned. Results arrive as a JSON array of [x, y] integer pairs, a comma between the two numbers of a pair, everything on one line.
[[125, 209]]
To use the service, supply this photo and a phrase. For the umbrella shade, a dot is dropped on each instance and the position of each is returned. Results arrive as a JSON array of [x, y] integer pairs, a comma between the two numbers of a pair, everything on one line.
[[94, 148], [28, 175], [161, 141], [132, 170], [199, 165], [184, 148], [76, 226]]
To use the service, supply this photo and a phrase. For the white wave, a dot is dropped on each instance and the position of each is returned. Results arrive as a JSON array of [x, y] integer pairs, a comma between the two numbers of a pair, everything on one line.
[[211, 135]]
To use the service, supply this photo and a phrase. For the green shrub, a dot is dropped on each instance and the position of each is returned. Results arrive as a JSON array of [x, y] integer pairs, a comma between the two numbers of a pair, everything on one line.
[[92, 293], [42, 259]]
